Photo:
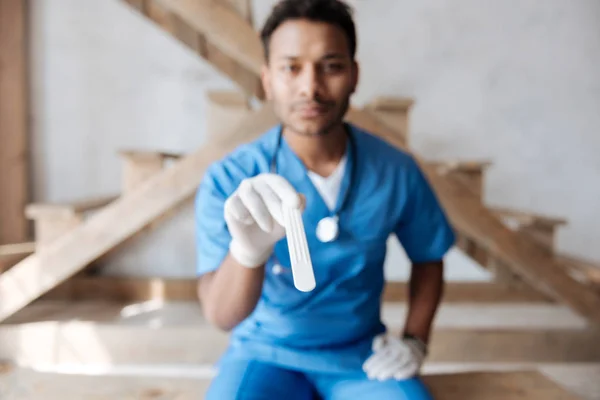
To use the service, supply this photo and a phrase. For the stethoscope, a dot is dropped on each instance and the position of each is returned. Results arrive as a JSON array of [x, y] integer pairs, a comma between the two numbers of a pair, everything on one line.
[[328, 228]]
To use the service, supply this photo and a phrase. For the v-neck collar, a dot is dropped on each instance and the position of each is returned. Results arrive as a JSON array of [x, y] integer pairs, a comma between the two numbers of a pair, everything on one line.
[[289, 165]]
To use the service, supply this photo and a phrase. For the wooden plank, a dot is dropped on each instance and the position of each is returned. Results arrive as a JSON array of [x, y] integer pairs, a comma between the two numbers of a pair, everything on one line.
[[518, 385], [148, 154], [528, 218], [120, 220], [199, 43], [514, 345], [7, 261], [17, 248], [119, 342], [223, 27], [40, 210], [242, 7], [588, 270], [507, 385], [144, 289], [246, 80], [14, 170]]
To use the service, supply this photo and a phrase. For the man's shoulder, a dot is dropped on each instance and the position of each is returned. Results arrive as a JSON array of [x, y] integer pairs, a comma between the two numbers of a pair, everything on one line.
[[244, 161], [381, 151]]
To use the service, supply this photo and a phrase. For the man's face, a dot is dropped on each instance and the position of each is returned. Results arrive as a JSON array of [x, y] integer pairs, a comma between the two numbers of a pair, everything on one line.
[[310, 76]]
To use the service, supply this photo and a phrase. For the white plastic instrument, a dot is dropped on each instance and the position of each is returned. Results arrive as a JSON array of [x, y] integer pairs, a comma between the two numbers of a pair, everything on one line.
[[302, 268]]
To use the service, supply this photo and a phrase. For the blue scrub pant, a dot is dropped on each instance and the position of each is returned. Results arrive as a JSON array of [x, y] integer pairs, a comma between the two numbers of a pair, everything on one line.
[[254, 380]]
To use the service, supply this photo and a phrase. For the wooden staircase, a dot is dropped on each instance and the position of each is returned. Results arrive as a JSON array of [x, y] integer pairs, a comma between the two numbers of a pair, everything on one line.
[[66, 242], [518, 247], [524, 254]]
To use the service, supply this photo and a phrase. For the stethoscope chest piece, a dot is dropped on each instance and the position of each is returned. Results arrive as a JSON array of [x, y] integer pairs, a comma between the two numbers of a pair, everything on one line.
[[328, 229]]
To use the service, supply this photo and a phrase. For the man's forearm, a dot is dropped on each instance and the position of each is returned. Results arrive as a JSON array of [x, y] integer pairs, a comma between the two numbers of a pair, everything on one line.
[[229, 294], [425, 293]]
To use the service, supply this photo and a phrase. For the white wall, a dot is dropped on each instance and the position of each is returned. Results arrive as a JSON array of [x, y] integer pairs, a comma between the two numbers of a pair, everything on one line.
[[512, 81]]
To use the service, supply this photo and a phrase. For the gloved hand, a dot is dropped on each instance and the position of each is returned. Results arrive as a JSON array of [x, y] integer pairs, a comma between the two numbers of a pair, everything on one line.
[[253, 214], [394, 357]]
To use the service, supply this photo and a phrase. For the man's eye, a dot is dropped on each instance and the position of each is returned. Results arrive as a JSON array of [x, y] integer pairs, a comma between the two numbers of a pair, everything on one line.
[[333, 67], [290, 68]]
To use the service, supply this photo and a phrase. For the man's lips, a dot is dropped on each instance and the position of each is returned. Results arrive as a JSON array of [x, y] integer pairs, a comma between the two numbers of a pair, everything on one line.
[[312, 111]]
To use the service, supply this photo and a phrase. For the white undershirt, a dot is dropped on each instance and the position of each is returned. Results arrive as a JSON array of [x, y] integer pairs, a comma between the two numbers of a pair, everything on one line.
[[329, 187]]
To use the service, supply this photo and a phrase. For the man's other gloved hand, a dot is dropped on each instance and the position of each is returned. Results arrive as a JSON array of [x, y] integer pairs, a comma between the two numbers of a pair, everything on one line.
[[395, 358], [253, 214]]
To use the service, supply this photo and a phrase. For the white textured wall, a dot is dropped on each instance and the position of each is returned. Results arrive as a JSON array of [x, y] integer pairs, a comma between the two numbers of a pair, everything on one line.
[[512, 81]]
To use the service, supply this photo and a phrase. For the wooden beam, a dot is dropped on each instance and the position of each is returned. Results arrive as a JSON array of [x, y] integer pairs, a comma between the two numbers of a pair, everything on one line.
[[144, 289], [197, 41], [243, 8], [223, 27], [120, 219], [14, 169]]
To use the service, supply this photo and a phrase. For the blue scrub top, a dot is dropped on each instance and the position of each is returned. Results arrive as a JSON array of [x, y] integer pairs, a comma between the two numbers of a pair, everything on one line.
[[329, 329]]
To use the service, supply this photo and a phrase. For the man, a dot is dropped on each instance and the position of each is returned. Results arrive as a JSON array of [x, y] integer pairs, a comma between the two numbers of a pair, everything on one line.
[[355, 190]]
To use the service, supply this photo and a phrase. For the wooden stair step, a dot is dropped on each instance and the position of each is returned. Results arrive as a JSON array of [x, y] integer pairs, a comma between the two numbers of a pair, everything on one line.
[[587, 270], [52, 220], [141, 165], [393, 111], [149, 154], [524, 384], [528, 218], [37, 210], [17, 249], [470, 166], [100, 332]]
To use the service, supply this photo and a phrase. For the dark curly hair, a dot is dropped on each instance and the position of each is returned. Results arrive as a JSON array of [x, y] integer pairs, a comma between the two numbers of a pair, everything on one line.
[[334, 12]]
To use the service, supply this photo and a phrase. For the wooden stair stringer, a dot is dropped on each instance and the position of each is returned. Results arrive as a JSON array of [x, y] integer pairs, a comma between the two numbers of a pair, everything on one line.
[[519, 252], [202, 44], [121, 219]]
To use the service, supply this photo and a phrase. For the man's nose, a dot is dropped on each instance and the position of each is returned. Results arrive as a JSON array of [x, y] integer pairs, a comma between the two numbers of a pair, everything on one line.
[[309, 82]]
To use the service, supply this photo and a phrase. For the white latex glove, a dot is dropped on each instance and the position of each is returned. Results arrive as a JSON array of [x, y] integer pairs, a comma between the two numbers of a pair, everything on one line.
[[253, 214], [395, 358]]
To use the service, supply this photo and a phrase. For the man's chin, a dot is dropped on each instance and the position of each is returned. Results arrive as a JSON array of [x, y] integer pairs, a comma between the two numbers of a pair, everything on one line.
[[311, 128]]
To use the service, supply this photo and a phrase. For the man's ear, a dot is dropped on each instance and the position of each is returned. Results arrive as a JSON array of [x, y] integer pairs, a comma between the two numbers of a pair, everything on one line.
[[265, 77], [355, 75]]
